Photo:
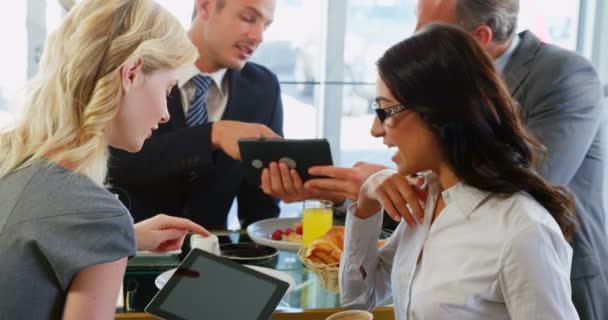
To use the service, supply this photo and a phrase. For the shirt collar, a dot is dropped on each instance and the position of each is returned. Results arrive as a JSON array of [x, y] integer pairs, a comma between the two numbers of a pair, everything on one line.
[[465, 197], [186, 73], [501, 62]]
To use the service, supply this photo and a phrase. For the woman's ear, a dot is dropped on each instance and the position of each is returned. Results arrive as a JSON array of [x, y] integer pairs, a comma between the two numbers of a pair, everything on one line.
[[130, 72]]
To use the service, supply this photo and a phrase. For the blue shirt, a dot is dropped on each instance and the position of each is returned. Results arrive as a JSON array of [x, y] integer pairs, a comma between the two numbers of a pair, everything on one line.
[[501, 62]]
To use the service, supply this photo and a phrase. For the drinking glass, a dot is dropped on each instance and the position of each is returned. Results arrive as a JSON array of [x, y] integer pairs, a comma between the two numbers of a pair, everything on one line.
[[317, 219]]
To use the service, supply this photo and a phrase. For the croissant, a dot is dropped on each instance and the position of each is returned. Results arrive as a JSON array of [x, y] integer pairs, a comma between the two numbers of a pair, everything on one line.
[[323, 250], [328, 248], [336, 235]]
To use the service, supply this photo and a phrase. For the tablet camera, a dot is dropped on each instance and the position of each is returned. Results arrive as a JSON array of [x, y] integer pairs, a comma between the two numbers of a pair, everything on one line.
[[289, 162]]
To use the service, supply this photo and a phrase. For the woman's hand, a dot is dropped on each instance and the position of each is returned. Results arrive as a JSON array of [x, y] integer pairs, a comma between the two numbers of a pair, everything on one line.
[[368, 203], [163, 233], [398, 195]]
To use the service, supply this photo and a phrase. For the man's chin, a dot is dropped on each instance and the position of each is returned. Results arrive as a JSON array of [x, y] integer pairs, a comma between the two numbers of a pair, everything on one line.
[[236, 64]]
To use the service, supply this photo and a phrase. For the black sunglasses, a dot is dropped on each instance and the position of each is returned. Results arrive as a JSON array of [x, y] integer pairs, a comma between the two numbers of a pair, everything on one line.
[[384, 113]]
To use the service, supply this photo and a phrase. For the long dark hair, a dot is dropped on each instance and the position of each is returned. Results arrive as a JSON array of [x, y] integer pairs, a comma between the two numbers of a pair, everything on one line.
[[443, 74]]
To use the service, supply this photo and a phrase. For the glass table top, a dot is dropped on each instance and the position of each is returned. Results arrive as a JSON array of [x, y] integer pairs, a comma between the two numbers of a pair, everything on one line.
[[306, 300], [306, 294]]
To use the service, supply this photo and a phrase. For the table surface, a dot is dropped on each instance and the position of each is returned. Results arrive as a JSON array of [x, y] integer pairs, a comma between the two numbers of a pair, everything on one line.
[[307, 300]]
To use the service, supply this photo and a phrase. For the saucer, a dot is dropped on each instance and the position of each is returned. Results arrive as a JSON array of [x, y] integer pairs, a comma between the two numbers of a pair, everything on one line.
[[247, 252]]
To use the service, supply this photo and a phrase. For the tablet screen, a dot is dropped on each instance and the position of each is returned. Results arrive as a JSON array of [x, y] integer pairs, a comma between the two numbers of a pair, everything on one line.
[[209, 287]]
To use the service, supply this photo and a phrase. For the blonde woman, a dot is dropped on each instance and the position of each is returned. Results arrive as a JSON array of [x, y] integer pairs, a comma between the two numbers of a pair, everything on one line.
[[64, 239]]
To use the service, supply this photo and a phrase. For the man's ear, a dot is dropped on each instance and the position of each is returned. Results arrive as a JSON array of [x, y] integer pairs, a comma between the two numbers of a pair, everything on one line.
[[203, 8], [484, 35], [130, 72]]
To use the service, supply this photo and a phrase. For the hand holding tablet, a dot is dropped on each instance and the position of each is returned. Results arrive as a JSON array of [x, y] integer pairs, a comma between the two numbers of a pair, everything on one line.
[[257, 154]]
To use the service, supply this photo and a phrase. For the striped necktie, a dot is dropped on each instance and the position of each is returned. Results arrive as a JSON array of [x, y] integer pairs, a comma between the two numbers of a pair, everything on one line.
[[197, 114]]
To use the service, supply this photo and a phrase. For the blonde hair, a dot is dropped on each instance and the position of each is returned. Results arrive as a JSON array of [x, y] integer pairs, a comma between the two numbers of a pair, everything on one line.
[[77, 90]]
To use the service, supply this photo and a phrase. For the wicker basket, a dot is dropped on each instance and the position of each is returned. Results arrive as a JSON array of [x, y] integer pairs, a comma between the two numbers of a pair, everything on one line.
[[327, 274]]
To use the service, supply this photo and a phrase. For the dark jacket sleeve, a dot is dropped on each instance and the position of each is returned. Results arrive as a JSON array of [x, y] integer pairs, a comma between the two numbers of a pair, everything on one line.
[[253, 203], [164, 155]]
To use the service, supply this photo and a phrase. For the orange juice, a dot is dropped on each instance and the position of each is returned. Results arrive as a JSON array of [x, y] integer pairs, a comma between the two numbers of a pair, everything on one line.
[[315, 223]]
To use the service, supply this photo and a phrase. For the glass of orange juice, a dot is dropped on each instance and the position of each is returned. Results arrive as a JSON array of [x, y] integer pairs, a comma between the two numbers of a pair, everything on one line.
[[317, 218]]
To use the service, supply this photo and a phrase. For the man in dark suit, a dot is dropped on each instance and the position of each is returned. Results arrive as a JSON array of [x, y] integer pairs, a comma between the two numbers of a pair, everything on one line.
[[190, 166], [561, 102]]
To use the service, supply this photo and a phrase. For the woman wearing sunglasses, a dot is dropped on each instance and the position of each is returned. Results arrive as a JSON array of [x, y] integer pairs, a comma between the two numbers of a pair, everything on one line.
[[490, 241]]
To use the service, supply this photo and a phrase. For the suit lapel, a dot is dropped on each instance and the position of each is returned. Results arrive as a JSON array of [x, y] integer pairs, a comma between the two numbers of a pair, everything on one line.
[[233, 91], [176, 109], [517, 69]]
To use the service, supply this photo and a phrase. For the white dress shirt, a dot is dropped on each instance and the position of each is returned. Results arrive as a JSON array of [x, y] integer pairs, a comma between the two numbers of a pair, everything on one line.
[[486, 256], [217, 96]]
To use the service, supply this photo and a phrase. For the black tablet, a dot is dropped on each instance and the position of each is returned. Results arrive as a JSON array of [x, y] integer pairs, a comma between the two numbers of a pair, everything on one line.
[[206, 286], [256, 154]]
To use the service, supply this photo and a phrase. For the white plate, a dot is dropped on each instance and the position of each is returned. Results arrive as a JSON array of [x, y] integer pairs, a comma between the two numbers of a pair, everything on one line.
[[154, 254], [261, 231], [162, 279]]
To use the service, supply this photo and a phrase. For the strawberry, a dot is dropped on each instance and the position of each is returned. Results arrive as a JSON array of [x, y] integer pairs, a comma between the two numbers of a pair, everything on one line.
[[276, 235], [288, 231], [299, 229]]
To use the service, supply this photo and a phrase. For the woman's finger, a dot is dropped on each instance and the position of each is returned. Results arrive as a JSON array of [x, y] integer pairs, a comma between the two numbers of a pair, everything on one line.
[[410, 195], [390, 186]]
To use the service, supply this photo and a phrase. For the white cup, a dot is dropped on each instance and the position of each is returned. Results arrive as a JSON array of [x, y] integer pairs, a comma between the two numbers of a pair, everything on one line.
[[210, 244], [351, 315]]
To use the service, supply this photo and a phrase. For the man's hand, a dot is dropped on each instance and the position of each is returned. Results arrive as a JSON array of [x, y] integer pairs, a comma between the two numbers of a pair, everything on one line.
[[283, 183], [163, 233], [341, 183], [225, 135]]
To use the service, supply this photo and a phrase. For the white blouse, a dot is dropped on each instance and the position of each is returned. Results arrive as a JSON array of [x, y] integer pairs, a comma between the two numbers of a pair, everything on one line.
[[486, 256]]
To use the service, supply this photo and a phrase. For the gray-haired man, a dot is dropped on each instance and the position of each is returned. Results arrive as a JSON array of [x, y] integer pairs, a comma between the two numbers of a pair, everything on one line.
[[562, 105]]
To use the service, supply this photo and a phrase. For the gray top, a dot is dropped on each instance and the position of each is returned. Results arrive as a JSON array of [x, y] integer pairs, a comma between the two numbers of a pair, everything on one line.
[[54, 223]]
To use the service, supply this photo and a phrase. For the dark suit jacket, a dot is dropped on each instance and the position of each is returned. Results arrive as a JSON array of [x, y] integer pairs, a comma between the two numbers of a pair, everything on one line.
[[562, 105], [177, 173]]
